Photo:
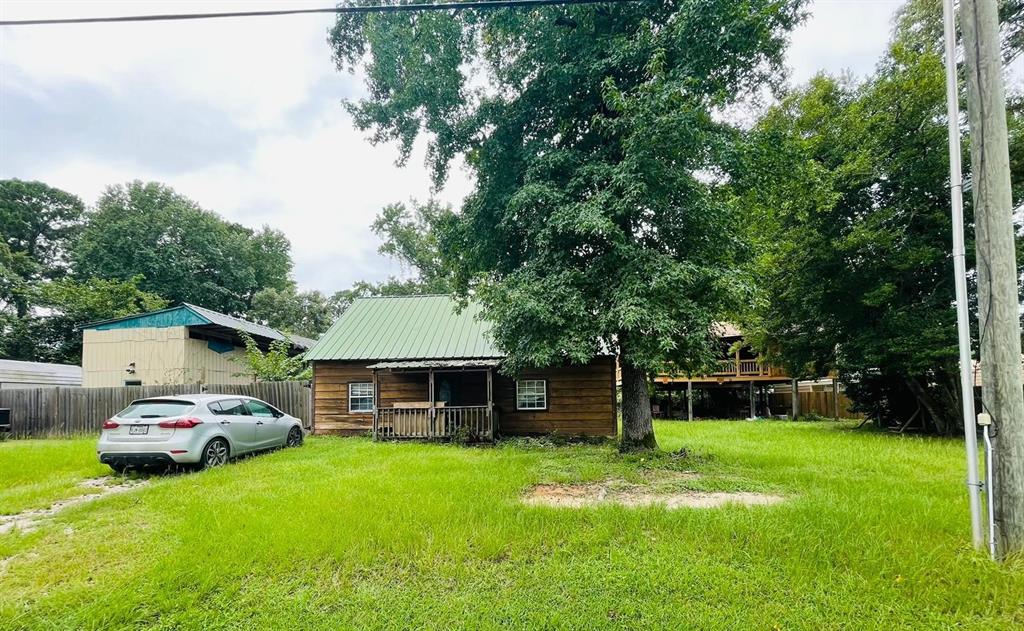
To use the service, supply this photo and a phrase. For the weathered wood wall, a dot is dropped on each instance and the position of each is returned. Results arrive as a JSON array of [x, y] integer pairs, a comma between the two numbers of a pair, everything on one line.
[[402, 387], [66, 411], [581, 400], [330, 398]]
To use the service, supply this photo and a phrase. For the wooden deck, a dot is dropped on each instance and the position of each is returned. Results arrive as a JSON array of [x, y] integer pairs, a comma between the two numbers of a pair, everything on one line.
[[733, 369]]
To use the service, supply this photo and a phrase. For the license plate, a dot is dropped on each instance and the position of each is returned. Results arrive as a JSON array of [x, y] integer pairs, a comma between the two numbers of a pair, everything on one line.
[[138, 429]]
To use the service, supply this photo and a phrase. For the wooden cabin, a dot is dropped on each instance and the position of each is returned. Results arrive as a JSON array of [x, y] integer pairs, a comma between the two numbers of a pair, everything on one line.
[[418, 367]]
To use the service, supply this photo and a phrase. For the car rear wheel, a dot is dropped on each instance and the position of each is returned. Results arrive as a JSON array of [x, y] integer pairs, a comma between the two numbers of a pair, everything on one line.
[[294, 437], [215, 454]]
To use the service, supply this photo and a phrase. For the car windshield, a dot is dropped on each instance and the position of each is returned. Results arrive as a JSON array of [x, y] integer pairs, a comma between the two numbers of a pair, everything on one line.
[[155, 409]]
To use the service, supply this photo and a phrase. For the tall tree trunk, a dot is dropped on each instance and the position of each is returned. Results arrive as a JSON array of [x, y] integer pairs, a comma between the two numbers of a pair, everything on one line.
[[637, 426]]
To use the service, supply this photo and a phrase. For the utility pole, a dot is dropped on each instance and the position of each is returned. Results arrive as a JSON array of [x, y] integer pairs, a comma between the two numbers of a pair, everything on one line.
[[963, 323], [998, 299]]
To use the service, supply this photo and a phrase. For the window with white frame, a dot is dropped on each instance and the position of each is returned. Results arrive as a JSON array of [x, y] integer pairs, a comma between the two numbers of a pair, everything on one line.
[[532, 394], [360, 397]]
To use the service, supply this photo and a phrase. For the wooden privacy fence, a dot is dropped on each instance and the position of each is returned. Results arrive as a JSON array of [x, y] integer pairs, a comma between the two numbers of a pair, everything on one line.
[[818, 400], [66, 411]]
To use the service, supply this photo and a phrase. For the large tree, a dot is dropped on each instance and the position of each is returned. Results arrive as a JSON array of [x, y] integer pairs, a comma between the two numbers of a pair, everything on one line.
[[845, 189], [183, 252], [306, 313], [38, 224], [592, 136], [410, 235]]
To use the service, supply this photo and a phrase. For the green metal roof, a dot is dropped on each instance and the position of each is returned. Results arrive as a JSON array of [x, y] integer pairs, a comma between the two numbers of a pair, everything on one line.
[[406, 327]]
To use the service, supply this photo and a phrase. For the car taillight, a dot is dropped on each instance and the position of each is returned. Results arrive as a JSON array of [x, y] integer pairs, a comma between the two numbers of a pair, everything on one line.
[[108, 424], [181, 423]]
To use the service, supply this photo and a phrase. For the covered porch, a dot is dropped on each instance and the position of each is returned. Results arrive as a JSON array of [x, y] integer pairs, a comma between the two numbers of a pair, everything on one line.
[[435, 399]]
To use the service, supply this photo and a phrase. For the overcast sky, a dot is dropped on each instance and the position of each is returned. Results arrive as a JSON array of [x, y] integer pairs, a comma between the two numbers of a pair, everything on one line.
[[244, 117]]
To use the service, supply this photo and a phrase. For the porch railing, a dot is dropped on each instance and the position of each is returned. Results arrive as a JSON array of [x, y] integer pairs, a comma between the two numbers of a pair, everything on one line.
[[743, 368], [466, 422]]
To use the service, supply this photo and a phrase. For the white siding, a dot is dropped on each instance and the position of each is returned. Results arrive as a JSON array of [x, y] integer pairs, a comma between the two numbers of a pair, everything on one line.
[[161, 356]]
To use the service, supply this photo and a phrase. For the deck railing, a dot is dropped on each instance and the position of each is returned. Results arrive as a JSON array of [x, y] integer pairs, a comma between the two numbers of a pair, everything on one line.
[[467, 422], [742, 368]]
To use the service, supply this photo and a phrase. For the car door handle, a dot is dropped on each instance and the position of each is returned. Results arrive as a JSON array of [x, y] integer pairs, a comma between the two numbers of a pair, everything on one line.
[[259, 422], [225, 422]]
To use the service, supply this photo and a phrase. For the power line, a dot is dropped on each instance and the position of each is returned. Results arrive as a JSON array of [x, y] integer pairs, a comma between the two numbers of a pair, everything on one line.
[[381, 8]]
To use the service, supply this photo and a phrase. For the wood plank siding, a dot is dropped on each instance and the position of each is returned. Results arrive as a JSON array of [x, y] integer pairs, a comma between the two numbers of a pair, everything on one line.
[[581, 399], [330, 398]]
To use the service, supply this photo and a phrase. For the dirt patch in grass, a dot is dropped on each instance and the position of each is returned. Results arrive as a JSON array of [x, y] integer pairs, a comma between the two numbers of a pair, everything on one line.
[[29, 520], [617, 492]]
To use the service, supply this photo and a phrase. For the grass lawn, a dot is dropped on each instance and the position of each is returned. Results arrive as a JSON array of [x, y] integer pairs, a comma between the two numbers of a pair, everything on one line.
[[35, 473], [347, 533]]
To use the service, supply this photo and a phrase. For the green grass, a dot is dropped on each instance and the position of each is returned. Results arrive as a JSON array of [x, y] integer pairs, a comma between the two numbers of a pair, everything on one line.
[[347, 533], [35, 473]]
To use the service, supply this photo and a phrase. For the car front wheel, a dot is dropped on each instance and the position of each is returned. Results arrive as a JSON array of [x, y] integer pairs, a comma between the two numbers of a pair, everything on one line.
[[294, 437], [215, 454]]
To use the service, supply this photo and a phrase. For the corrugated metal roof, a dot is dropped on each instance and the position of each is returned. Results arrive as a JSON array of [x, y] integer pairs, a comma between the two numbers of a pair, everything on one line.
[[436, 363], [187, 314], [406, 327], [238, 324], [12, 371]]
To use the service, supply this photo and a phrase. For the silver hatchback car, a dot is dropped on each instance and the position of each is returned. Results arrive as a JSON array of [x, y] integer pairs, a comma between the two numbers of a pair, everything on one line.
[[202, 430]]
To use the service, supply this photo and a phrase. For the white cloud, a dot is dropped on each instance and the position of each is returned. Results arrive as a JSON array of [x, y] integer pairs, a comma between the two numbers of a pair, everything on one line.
[[322, 187], [302, 167], [841, 35], [257, 69]]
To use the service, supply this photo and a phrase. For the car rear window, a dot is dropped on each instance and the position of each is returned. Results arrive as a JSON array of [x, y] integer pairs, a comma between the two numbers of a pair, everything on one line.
[[155, 409]]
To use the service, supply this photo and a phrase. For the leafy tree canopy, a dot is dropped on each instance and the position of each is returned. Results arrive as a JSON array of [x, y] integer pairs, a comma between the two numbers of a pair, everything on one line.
[[184, 253], [411, 237], [306, 313], [592, 138], [38, 224], [273, 364], [845, 188]]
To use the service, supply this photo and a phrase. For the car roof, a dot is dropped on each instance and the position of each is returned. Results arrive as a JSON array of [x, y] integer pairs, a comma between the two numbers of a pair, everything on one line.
[[196, 398]]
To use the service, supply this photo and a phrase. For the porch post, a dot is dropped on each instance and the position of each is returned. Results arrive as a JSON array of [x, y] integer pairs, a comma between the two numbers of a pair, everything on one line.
[[753, 401], [490, 402], [430, 390], [689, 400], [376, 396]]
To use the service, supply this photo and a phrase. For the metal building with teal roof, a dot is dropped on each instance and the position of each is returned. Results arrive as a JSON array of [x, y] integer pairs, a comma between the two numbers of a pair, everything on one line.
[[178, 345]]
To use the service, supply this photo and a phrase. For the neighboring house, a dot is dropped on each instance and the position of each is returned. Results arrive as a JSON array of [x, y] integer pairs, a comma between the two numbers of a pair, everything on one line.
[[183, 344], [17, 375], [413, 366], [739, 387]]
